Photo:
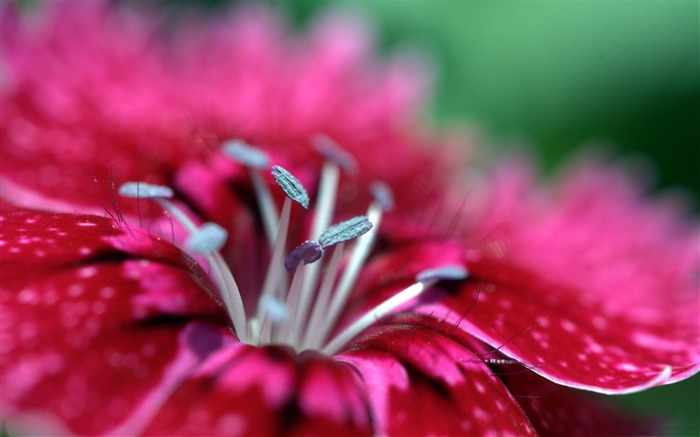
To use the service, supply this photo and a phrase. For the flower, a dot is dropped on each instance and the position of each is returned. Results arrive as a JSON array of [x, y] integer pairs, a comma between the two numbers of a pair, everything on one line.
[[118, 319]]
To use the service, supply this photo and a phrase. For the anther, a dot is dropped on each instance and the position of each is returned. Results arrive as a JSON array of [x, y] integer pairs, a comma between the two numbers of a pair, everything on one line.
[[329, 303], [446, 273], [291, 186], [210, 237], [332, 152], [256, 160], [344, 231], [275, 309], [246, 154], [144, 190], [382, 194], [307, 252], [295, 192]]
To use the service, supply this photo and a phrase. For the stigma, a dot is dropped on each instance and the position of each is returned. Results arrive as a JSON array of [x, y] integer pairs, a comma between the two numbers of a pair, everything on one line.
[[304, 290]]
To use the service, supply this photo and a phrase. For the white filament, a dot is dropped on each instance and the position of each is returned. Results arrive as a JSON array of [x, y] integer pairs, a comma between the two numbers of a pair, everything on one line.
[[274, 270], [381, 310], [268, 210], [361, 251], [325, 205], [228, 289], [321, 304]]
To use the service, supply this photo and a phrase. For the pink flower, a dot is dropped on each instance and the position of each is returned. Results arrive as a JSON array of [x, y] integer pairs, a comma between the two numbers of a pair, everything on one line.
[[446, 314]]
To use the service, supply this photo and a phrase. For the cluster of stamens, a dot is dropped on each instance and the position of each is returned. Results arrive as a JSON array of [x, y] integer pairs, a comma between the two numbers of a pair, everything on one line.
[[304, 312]]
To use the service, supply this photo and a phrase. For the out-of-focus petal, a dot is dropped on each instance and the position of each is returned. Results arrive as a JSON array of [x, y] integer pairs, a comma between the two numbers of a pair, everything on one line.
[[80, 317], [423, 382], [79, 116], [567, 339], [78, 112], [555, 410], [244, 390], [596, 231]]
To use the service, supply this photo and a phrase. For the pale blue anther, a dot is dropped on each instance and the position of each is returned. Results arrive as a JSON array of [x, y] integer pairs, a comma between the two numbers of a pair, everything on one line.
[[345, 231], [444, 273], [308, 252], [208, 238], [144, 190], [246, 154], [291, 186], [274, 308], [332, 152], [383, 195]]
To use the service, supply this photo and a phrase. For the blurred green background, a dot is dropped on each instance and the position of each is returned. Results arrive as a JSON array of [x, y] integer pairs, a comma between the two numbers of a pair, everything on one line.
[[554, 75], [558, 74]]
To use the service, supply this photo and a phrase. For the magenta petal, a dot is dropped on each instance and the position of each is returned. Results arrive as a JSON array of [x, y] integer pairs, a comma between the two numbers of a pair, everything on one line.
[[561, 411], [81, 317], [570, 339], [385, 273], [422, 382], [68, 383], [243, 390], [51, 240], [90, 252], [71, 122], [100, 92]]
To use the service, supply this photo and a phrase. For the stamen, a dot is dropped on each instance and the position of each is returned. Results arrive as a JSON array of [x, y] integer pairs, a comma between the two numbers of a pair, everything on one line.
[[325, 201], [320, 309], [446, 273], [281, 315], [334, 153], [363, 246], [382, 195], [291, 186], [210, 237], [336, 234], [345, 231], [308, 252], [294, 191], [228, 289], [275, 309], [159, 194], [256, 160], [274, 272], [143, 190], [336, 158], [246, 154], [429, 278]]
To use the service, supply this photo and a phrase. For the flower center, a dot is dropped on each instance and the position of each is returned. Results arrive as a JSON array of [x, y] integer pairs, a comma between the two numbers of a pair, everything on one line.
[[304, 312]]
